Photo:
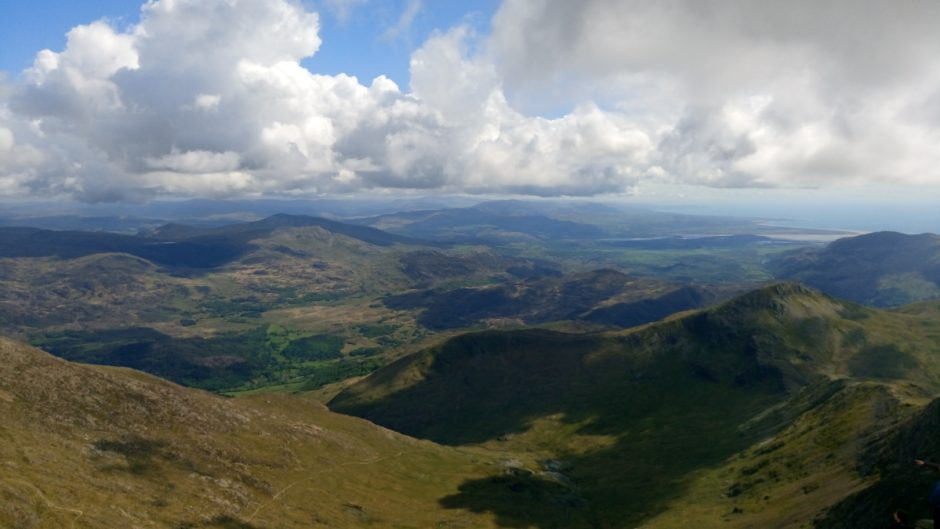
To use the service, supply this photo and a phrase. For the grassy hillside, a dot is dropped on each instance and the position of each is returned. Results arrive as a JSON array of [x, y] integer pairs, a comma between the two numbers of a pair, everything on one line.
[[883, 269], [98, 448], [655, 422]]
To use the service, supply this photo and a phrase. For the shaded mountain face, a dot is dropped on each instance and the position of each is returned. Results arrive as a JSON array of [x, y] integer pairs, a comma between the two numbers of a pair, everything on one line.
[[93, 448], [33, 242], [643, 419], [773, 338], [602, 296], [649, 309], [883, 269]]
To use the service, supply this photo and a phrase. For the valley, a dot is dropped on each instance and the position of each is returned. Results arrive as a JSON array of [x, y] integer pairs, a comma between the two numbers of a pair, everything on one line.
[[223, 319], [597, 376], [496, 264]]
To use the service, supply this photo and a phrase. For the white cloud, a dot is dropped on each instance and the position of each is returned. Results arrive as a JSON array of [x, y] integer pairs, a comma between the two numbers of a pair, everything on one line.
[[490, 147], [94, 51], [208, 97], [207, 102], [836, 79]]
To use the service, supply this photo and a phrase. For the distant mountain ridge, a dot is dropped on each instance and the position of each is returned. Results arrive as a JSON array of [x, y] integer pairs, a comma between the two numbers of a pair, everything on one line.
[[882, 269], [177, 244], [475, 224], [502, 221], [249, 230]]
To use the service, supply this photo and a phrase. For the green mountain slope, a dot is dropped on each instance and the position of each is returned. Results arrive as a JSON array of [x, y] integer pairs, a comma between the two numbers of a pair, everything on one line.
[[638, 421], [883, 269], [98, 448]]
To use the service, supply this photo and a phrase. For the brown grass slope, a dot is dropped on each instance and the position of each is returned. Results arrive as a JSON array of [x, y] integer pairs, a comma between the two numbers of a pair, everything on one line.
[[93, 447]]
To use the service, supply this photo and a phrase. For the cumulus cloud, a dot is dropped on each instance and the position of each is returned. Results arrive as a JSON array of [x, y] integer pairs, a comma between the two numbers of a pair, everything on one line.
[[748, 93], [208, 98]]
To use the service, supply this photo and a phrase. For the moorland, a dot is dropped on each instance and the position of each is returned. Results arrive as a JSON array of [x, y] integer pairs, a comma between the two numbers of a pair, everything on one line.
[[501, 364]]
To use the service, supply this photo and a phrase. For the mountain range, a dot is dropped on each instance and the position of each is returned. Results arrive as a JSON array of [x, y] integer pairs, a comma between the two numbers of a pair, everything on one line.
[[500, 375], [174, 244]]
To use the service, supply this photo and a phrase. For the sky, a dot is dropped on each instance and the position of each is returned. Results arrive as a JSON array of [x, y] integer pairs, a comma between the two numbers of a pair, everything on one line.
[[376, 41], [680, 101]]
